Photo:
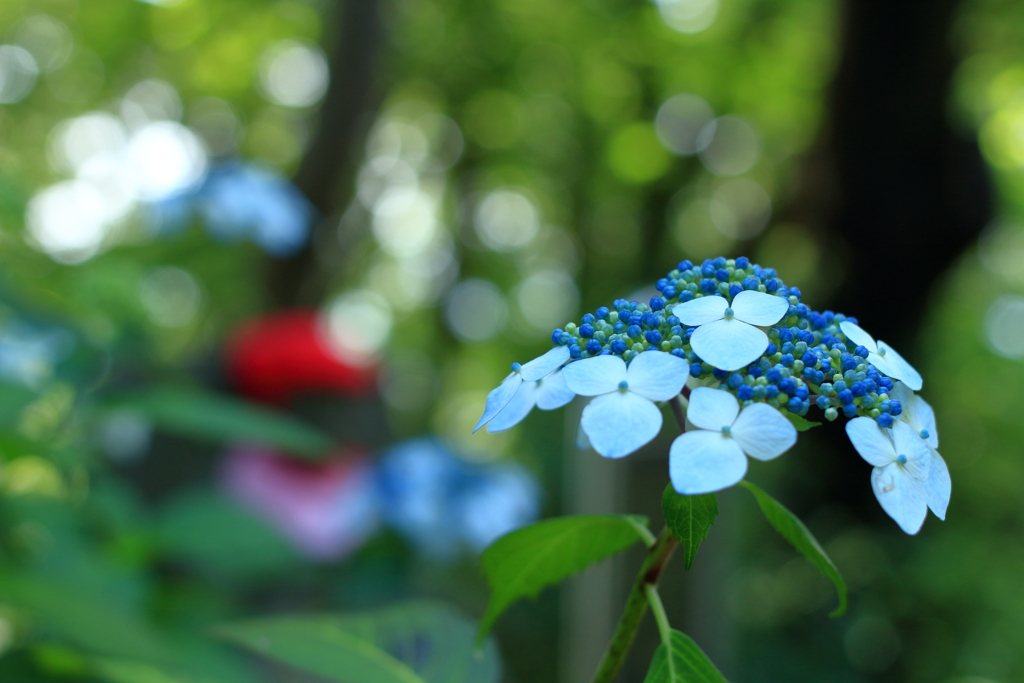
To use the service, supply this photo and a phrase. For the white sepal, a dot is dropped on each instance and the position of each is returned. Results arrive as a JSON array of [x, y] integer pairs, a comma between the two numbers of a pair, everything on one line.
[[758, 308], [763, 432], [704, 461], [595, 376], [620, 422]]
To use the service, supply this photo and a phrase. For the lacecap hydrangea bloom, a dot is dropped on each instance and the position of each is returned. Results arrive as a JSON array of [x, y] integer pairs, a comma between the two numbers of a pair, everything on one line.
[[747, 361]]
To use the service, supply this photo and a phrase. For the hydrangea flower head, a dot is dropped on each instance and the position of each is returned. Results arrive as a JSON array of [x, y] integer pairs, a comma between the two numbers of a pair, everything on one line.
[[736, 329]]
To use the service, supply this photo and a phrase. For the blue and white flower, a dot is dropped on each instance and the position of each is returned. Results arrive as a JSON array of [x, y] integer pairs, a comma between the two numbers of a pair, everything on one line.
[[536, 369], [623, 417], [727, 336], [548, 393], [921, 418], [713, 456], [883, 356], [902, 461]]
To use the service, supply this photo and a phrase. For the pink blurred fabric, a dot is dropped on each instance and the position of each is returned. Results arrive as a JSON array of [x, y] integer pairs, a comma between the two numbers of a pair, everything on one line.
[[327, 510]]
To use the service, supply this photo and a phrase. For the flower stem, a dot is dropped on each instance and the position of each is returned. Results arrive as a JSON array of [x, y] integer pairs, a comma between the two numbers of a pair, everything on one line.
[[677, 411], [658, 556]]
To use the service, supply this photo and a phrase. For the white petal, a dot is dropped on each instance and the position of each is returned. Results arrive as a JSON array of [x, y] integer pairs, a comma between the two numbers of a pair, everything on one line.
[[871, 441], [902, 497], [925, 421], [901, 369], [546, 364], [881, 364], [758, 308], [712, 408], [909, 444], [703, 461], [701, 311], [553, 392], [516, 409], [938, 485], [858, 336], [762, 432], [657, 375], [728, 344], [619, 423], [499, 398], [595, 376]]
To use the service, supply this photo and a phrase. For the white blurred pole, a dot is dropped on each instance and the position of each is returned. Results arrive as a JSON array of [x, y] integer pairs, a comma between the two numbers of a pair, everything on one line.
[[590, 601]]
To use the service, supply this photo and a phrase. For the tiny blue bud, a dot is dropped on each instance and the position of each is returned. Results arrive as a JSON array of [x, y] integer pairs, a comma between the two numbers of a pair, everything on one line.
[[587, 330], [602, 313], [795, 405], [722, 275], [734, 290], [633, 331], [801, 392], [862, 351], [850, 410], [555, 336], [823, 402], [787, 360], [516, 367], [696, 369], [623, 385], [788, 385], [593, 347], [669, 292], [657, 303], [720, 262], [774, 375], [618, 347], [653, 337], [735, 380], [745, 392], [575, 351], [707, 269], [846, 397], [858, 389], [884, 420], [896, 407]]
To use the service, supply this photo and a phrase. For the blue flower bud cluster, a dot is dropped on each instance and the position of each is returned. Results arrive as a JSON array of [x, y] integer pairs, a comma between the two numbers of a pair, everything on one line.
[[808, 361]]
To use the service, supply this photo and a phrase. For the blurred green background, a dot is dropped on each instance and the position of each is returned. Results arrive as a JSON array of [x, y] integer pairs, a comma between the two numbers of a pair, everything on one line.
[[441, 183]]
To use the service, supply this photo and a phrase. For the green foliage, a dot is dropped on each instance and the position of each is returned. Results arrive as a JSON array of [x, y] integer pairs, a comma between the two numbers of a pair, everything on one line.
[[682, 661], [801, 424], [416, 642], [794, 531], [220, 418], [524, 562], [689, 518], [85, 621]]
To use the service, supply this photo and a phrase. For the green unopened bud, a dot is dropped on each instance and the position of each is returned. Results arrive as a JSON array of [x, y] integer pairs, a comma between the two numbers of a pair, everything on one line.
[[831, 414], [570, 328]]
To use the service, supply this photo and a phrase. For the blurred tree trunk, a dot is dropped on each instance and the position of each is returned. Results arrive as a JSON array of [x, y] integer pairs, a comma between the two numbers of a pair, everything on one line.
[[911, 193], [895, 185], [327, 170]]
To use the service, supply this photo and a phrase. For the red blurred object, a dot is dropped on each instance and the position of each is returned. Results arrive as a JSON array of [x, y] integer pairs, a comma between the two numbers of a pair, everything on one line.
[[280, 355]]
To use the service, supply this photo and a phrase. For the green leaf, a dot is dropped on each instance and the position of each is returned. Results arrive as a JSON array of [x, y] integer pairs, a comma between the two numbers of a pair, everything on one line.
[[113, 670], [800, 423], [522, 563], [683, 662], [206, 415], [689, 518], [415, 642], [794, 531], [88, 622]]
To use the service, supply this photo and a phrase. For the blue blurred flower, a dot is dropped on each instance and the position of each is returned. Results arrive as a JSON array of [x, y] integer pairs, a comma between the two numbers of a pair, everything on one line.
[[239, 201], [441, 503]]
